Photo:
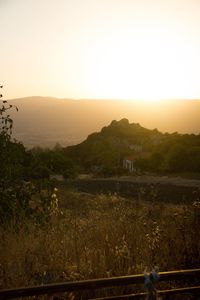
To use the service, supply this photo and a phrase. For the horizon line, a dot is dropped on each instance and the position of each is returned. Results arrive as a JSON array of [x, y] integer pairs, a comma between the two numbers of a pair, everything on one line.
[[104, 99]]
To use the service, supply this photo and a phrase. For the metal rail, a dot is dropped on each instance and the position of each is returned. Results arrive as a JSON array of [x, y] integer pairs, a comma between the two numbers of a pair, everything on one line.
[[189, 290], [94, 284]]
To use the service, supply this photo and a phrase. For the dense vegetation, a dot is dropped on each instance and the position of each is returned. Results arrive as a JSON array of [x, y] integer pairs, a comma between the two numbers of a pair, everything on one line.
[[152, 150], [18, 185]]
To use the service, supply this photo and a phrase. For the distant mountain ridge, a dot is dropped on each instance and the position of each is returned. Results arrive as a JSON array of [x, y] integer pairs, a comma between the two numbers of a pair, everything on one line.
[[45, 121]]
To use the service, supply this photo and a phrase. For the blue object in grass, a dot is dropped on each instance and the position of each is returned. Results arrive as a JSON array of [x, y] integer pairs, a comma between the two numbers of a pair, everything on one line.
[[151, 278]]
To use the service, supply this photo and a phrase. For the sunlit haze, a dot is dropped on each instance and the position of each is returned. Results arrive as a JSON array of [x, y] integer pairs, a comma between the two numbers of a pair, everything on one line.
[[120, 49]]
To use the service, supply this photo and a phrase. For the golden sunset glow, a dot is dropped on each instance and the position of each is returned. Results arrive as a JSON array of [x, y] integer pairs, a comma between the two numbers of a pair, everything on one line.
[[126, 69], [101, 49]]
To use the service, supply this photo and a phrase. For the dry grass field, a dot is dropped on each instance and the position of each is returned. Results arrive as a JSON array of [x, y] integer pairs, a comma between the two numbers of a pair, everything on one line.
[[96, 236]]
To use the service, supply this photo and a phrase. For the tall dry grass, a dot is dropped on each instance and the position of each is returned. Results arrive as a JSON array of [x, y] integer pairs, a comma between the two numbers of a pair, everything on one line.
[[99, 236]]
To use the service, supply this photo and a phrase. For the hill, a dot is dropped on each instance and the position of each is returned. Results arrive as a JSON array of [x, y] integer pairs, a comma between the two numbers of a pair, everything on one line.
[[111, 144], [144, 149], [45, 121]]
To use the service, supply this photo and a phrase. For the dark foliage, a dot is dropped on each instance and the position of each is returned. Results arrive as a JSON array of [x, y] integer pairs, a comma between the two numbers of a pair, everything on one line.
[[151, 150]]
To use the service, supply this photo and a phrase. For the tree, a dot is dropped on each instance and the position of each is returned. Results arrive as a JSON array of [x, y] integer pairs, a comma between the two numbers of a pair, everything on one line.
[[156, 162], [16, 195], [177, 159], [11, 155], [11, 152]]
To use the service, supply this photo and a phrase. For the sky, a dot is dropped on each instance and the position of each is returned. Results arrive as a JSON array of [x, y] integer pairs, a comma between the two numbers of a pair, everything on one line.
[[112, 49]]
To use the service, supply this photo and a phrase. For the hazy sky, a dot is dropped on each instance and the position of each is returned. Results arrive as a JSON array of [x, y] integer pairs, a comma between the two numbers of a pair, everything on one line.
[[100, 48]]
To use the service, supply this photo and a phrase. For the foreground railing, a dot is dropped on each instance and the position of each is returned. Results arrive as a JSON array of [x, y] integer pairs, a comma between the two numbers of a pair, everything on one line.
[[51, 289]]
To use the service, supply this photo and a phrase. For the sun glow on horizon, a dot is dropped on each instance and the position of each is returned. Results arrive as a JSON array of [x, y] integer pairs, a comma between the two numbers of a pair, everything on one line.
[[152, 65], [146, 50]]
